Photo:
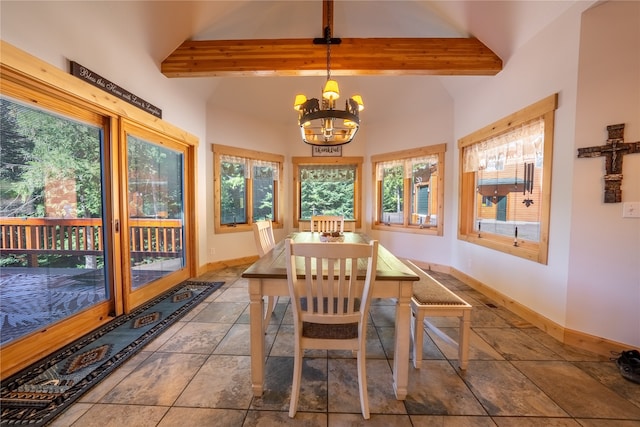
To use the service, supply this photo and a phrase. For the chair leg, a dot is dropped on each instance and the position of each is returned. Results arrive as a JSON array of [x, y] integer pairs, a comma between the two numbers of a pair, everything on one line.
[[271, 304], [297, 377], [463, 343], [362, 382], [418, 338]]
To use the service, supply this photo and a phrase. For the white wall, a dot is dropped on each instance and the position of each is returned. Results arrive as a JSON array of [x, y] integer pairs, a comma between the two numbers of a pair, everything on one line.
[[58, 32], [603, 289], [590, 245], [421, 115], [547, 64], [227, 128]]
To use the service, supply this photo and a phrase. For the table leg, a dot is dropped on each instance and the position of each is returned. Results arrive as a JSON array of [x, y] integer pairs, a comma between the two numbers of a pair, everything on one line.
[[256, 313], [403, 339]]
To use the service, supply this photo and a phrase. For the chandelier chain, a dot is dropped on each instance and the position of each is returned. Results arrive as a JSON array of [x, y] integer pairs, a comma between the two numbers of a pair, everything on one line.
[[328, 37], [321, 124]]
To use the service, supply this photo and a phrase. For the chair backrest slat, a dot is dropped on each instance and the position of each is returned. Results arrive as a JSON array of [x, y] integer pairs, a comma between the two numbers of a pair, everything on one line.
[[327, 223]]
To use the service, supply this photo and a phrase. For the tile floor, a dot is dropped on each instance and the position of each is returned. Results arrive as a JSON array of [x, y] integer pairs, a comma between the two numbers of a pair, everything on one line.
[[197, 374]]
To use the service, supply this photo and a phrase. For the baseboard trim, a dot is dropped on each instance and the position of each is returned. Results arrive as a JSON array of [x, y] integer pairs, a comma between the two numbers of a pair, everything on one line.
[[219, 265], [594, 344]]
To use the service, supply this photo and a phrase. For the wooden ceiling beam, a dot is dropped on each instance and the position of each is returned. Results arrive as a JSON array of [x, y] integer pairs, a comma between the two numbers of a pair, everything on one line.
[[353, 56]]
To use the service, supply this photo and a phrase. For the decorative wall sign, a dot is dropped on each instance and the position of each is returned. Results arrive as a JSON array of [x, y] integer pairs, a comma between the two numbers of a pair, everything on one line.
[[613, 152], [328, 151], [98, 81]]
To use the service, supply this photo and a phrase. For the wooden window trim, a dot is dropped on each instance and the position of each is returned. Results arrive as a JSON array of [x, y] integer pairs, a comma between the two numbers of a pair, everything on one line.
[[357, 185], [219, 150], [407, 227], [534, 251]]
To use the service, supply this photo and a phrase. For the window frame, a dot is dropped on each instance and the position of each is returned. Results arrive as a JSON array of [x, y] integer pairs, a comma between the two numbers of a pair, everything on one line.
[[221, 150], [534, 251], [297, 162], [406, 227]]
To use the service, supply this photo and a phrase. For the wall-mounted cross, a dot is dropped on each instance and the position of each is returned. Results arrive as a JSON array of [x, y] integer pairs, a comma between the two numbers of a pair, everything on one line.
[[613, 152]]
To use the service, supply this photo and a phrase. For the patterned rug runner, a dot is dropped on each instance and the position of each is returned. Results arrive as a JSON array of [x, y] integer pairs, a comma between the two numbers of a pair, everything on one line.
[[42, 391]]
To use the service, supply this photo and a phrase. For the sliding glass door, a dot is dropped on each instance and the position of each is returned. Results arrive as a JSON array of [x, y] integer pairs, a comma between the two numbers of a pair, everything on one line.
[[52, 234], [155, 204], [96, 210]]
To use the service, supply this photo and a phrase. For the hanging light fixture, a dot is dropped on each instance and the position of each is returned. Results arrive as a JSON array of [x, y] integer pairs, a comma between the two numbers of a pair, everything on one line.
[[321, 123]]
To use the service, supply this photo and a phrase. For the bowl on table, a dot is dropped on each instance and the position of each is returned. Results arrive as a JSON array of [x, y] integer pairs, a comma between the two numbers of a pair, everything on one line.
[[332, 237]]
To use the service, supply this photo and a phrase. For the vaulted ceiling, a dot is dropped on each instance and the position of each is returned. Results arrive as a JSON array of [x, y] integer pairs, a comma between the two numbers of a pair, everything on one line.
[[205, 41], [328, 53]]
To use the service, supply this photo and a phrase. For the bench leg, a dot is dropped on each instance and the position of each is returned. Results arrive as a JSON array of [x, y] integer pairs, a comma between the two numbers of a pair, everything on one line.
[[463, 344], [418, 336]]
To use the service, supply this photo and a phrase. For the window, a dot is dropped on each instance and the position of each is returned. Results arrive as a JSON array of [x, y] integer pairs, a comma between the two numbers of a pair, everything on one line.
[[246, 188], [409, 190], [331, 186], [505, 182]]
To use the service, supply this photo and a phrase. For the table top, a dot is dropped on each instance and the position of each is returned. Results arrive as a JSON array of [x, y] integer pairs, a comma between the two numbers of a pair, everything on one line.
[[273, 264]]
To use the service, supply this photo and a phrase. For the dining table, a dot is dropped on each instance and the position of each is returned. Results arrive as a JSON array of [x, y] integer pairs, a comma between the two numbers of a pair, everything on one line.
[[393, 279]]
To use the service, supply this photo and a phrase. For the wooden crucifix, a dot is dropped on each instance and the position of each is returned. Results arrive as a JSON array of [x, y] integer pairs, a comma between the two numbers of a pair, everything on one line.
[[613, 151]]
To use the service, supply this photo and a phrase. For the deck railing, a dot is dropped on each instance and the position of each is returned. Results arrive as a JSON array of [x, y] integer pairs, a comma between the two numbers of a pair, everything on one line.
[[155, 237], [148, 237]]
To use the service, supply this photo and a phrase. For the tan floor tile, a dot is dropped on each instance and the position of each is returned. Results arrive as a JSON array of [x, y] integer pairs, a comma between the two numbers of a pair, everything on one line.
[[576, 392], [197, 337], [344, 393], [195, 310], [159, 380], [165, 336], [486, 317], [505, 391], [535, 422], [437, 389], [234, 294], [515, 344], [566, 352], [101, 415], [376, 420], [68, 417], [479, 349], [236, 341], [383, 315], [272, 418], [608, 374], [221, 312], [98, 391], [185, 417], [608, 423], [278, 379], [451, 421], [221, 382]]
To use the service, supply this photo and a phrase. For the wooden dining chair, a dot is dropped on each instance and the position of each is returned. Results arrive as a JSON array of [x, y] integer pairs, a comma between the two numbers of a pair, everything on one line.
[[330, 308], [327, 223], [263, 235]]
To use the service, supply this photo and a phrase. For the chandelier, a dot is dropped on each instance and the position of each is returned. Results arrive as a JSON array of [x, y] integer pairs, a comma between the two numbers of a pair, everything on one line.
[[321, 123]]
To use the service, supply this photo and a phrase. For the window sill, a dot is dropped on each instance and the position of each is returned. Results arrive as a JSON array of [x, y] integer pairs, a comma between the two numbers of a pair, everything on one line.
[[413, 229], [524, 248]]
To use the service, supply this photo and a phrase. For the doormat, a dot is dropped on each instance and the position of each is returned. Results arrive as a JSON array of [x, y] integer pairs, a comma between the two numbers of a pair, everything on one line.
[[42, 391]]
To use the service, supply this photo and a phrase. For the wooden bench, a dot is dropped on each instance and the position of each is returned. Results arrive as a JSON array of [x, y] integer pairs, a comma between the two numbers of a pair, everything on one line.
[[431, 298]]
